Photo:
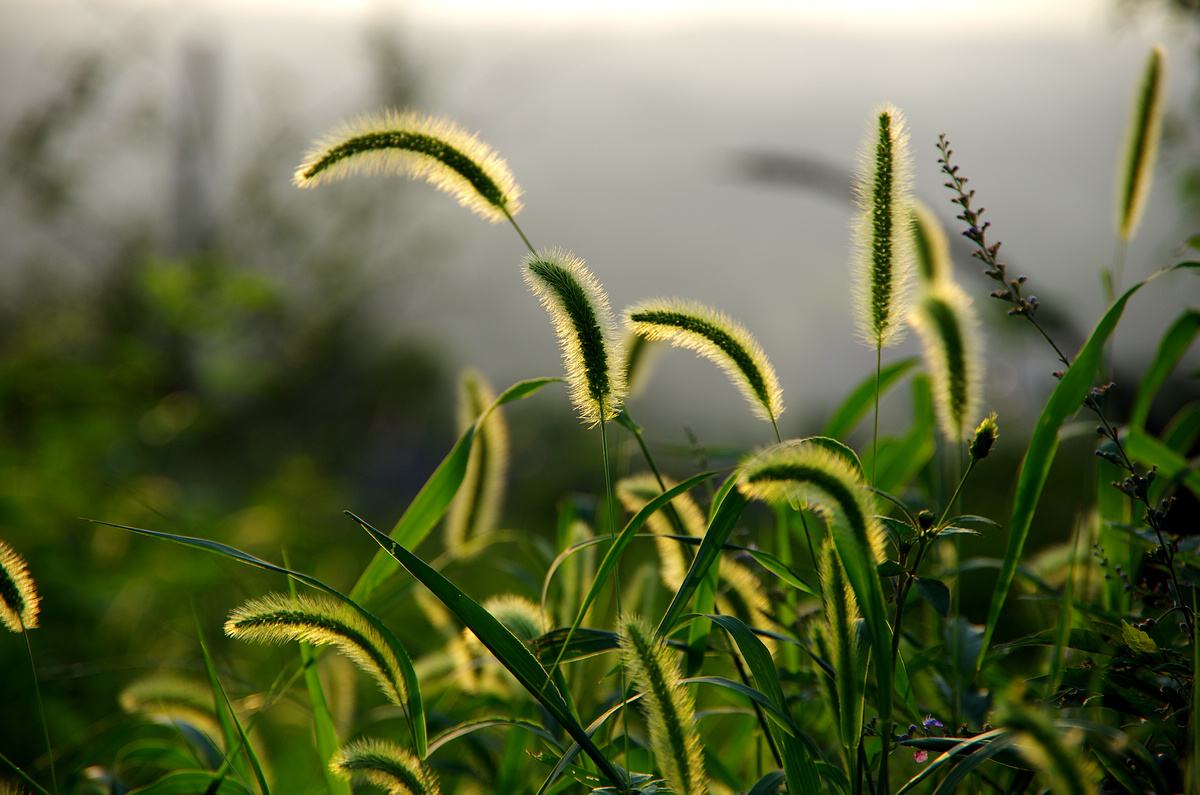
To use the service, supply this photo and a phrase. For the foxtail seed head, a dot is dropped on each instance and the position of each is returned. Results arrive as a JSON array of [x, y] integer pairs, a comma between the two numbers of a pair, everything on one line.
[[279, 618], [931, 249], [718, 338], [847, 654], [634, 492], [882, 230], [1141, 146], [816, 478], [945, 320], [19, 601], [421, 147], [386, 765], [579, 309], [476, 507], [669, 707], [169, 698]]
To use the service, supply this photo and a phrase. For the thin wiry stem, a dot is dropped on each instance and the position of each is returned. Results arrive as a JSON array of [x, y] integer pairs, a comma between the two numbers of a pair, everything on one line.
[[23, 774], [1135, 485], [875, 433], [610, 500], [517, 227], [37, 695]]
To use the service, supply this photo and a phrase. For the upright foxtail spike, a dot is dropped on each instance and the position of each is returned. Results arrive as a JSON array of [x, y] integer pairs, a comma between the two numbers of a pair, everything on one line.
[[19, 603], [946, 323], [476, 507], [413, 144], [279, 618], [718, 338], [882, 270], [579, 309], [1141, 146], [669, 707]]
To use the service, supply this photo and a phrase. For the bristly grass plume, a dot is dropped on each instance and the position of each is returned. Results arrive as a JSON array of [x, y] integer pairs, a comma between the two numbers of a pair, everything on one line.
[[843, 645], [171, 698], [718, 338], [882, 230], [422, 147], [476, 507], [946, 323], [579, 309], [931, 249], [387, 766], [19, 602], [1141, 146], [668, 705], [279, 618]]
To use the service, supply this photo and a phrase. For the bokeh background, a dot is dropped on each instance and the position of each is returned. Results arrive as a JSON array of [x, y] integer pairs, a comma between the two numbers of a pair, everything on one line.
[[189, 343]]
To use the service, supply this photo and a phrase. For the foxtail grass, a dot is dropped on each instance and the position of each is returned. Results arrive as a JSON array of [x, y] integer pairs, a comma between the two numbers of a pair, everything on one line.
[[413, 144], [277, 618], [582, 319], [20, 607], [847, 654], [1057, 754], [1141, 147], [815, 478], [171, 698], [947, 325], [387, 766], [668, 705], [477, 506], [931, 249], [718, 338], [883, 241]]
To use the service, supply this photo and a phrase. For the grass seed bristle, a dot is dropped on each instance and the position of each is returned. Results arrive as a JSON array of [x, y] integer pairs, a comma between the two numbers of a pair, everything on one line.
[[278, 618], [882, 231], [946, 323], [19, 602], [579, 309], [386, 765], [718, 338], [931, 249], [477, 506], [413, 144], [1141, 146]]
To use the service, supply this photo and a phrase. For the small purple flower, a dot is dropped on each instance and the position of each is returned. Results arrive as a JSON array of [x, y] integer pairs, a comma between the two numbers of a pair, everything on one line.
[[921, 756], [931, 722]]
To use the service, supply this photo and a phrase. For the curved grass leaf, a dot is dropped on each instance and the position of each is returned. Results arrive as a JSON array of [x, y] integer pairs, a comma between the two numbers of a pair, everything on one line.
[[235, 736], [1064, 401], [511, 652], [859, 402], [472, 726], [952, 756], [414, 708], [190, 782], [434, 498], [768, 784], [798, 766]]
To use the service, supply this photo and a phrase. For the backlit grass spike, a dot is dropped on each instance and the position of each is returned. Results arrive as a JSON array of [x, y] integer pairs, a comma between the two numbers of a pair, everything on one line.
[[814, 477], [386, 765], [718, 338], [19, 603], [476, 507], [668, 705], [882, 230], [931, 249], [321, 621], [171, 698], [946, 323], [413, 144], [583, 321], [1141, 146], [847, 654]]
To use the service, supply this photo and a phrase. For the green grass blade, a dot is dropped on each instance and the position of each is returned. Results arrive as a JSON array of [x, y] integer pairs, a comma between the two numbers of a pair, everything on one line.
[[324, 730], [798, 766], [190, 782], [507, 649], [613, 556], [472, 726], [768, 784], [415, 708], [434, 498], [859, 402], [728, 506], [1174, 344], [1064, 401], [952, 756], [236, 741]]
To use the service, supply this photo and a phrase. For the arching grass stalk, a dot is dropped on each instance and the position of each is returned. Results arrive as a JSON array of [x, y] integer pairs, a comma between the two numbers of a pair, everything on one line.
[[19, 608]]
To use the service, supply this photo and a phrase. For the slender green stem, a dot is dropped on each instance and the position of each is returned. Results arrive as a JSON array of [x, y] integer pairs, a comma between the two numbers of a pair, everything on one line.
[[37, 695], [875, 432], [954, 496], [610, 501], [23, 775], [775, 427], [520, 232]]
